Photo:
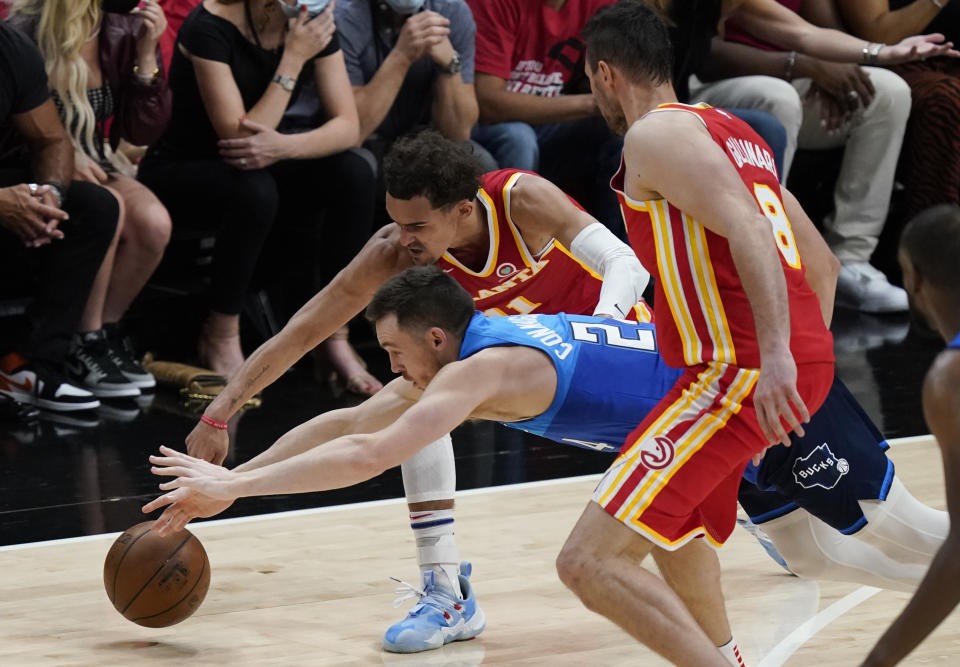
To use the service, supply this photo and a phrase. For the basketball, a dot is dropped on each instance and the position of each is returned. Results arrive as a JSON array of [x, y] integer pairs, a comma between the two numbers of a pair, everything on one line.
[[156, 581]]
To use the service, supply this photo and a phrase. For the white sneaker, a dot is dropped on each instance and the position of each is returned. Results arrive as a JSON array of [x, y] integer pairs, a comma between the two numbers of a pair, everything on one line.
[[865, 288]]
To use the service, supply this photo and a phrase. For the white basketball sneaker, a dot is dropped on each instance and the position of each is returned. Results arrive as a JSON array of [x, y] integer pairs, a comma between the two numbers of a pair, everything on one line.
[[861, 286], [438, 618]]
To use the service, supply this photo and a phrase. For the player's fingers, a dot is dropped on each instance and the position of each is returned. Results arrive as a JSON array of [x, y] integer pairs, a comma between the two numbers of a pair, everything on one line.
[[157, 503], [763, 422], [773, 414], [175, 483], [786, 411]]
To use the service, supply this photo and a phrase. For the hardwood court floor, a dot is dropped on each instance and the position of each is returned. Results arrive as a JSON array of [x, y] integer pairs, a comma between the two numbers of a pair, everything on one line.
[[311, 588]]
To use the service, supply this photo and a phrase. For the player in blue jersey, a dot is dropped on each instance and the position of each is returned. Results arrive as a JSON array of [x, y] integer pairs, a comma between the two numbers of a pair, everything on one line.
[[929, 248], [603, 377]]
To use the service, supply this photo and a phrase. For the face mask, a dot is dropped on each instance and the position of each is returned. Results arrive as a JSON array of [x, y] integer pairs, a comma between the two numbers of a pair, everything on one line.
[[405, 6], [119, 6], [314, 7]]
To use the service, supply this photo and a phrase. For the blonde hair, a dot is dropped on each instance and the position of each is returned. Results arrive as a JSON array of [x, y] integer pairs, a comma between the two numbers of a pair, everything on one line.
[[63, 27]]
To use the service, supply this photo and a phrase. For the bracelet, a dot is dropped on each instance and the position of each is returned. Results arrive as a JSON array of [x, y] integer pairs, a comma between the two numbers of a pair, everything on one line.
[[58, 189], [937, 3], [144, 78], [790, 65], [871, 52], [213, 422]]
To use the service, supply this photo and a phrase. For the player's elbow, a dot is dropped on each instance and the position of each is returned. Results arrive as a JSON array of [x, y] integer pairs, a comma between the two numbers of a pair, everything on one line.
[[372, 456]]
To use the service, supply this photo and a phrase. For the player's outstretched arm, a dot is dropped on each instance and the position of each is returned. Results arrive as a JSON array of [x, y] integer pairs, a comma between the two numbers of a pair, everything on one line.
[[822, 265], [185, 504], [374, 414], [451, 397], [345, 296], [939, 592], [692, 172], [542, 211]]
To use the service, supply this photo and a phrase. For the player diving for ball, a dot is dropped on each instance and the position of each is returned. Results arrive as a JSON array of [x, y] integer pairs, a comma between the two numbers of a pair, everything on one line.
[[575, 379], [480, 229]]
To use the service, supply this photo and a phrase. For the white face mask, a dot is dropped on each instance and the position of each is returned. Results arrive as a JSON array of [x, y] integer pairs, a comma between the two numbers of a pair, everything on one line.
[[314, 7], [405, 6]]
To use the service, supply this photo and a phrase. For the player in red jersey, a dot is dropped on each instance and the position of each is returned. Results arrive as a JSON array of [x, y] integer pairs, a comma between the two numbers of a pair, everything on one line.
[[699, 194], [516, 242]]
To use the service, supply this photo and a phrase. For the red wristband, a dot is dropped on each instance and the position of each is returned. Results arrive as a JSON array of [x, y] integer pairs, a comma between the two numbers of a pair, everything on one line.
[[213, 422]]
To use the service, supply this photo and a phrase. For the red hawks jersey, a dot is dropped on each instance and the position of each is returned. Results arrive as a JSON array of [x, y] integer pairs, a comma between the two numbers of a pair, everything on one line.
[[514, 280], [700, 306]]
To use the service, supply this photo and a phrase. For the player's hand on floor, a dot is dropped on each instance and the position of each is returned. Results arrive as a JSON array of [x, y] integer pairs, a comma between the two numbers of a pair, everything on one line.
[[776, 400], [209, 479], [182, 506]]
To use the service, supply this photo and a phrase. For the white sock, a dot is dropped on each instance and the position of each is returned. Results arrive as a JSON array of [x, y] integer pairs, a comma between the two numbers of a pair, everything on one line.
[[437, 547], [731, 653]]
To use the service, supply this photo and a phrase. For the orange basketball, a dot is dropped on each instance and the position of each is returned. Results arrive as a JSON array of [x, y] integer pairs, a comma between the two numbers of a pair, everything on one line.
[[156, 581]]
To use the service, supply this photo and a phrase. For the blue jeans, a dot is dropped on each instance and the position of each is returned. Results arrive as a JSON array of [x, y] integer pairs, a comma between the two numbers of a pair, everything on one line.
[[578, 156], [512, 145]]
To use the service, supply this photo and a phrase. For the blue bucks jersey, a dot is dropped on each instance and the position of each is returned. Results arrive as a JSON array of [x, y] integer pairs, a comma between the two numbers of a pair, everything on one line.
[[609, 373], [955, 343]]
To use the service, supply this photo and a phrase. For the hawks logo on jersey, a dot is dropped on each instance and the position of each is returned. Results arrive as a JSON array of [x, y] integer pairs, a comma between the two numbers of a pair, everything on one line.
[[703, 311], [515, 281]]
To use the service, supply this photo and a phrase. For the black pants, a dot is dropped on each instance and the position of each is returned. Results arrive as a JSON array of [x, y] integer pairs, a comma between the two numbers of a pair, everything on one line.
[[272, 217], [62, 271]]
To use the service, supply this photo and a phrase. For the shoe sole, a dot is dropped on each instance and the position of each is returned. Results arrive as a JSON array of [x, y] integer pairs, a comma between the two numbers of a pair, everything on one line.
[[47, 404], [101, 392], [65, 407], [469, 630]]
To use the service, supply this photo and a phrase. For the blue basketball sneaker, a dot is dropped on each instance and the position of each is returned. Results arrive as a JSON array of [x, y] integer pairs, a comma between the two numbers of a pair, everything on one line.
[[438, 618], [765, 542]]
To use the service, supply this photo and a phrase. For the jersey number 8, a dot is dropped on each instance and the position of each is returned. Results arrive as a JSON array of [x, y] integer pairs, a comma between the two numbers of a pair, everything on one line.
[[772, 207]]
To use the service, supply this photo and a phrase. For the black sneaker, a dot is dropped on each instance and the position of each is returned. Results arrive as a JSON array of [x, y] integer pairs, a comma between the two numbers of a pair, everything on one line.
[[42, 387], [124, 357], [90, 366], [13, 410]]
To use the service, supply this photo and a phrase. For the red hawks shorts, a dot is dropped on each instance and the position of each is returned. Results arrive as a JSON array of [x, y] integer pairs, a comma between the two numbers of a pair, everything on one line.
[[677, 474]]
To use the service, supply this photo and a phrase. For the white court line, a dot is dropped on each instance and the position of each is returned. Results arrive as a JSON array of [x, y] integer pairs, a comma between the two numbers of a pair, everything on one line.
[[806, 630], [316, 510]]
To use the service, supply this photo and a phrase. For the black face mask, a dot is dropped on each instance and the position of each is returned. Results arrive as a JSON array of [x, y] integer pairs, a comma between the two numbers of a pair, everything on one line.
[[119, 6]]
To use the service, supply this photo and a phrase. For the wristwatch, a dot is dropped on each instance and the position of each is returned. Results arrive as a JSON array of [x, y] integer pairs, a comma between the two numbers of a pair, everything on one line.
[[57, 190], [454, 66], [288, 83]]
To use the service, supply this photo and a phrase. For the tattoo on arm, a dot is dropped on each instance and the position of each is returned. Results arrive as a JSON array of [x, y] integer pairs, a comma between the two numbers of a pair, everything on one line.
[[250, 383]]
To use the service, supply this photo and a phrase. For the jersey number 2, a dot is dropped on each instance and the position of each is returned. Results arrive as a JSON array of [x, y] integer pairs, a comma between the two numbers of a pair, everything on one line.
[[588, 332], [772, 207]]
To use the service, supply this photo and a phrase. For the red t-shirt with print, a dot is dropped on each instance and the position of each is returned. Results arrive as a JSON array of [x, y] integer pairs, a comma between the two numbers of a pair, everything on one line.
[[534, 47]]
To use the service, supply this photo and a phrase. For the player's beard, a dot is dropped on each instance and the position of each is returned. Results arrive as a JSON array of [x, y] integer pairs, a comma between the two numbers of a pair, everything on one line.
[[613, 115]]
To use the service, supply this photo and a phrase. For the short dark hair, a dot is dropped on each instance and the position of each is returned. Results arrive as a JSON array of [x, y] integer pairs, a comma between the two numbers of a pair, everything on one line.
[[932, 242], [630, 36], [429, 165], [422, 297]]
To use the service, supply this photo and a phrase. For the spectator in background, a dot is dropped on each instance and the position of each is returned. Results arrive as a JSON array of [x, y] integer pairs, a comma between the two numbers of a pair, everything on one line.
[[103, 63], [825, 100], [176, 12], [410, 63], [930, 159], [221, 162], [62, 229], [536, 110]]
